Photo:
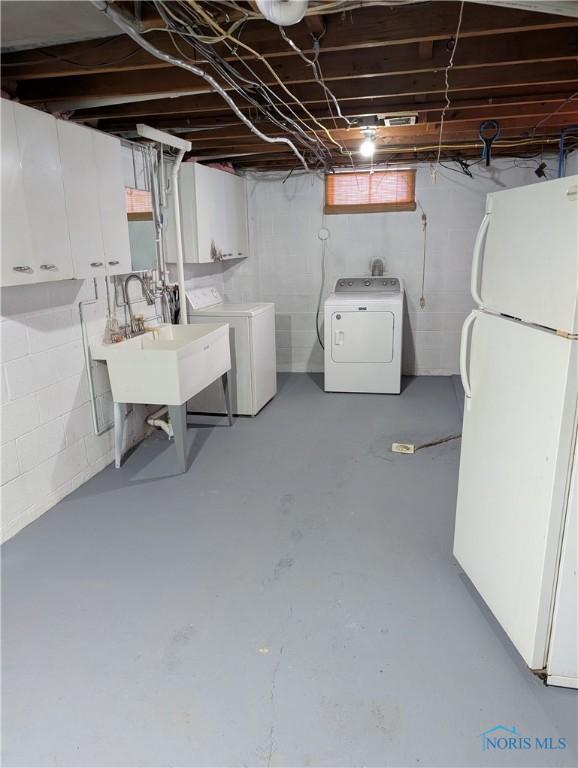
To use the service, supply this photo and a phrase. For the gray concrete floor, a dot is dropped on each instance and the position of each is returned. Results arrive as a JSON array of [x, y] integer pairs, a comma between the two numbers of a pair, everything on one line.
[[290, 601]]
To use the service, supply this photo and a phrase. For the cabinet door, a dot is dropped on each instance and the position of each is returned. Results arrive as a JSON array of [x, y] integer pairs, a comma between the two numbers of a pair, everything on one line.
[[82, 199], [112, 205], [17, 265], [238, 215], [43, 193], [211, 217]]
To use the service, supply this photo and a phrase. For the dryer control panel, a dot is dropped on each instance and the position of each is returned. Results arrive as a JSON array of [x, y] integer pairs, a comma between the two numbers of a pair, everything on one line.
[[367, 285]]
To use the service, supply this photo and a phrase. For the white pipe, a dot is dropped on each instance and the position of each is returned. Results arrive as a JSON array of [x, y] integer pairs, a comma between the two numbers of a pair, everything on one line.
[[183, 319], [161, 424], [154, 420], [127, 26], [162, 137]]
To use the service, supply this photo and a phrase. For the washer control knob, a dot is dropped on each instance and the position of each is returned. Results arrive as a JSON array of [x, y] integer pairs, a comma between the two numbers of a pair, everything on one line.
[[342, 282], [367, 282], [350, 282]]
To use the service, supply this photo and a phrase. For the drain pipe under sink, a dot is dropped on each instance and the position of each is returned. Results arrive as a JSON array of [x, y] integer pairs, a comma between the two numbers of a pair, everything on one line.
[[155, 420]]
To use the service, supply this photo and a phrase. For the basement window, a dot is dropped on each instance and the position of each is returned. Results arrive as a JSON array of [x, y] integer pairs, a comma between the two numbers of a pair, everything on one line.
[[365, 192]]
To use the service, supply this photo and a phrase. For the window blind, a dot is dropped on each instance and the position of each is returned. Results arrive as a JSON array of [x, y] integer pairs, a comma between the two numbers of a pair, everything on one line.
[[139, 205], [370, 192]]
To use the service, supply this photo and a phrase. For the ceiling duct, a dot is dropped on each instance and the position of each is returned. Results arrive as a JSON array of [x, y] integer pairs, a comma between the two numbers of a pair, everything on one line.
[[284, 13], [395, 122]]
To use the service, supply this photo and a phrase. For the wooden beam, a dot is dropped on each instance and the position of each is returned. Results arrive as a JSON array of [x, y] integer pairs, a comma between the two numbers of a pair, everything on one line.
[[462, 132], [425, 50], [287, 162], [383, 86], [315, 25], [228, 126], [508, 117], [558, 46], [365, 28], [168, 113]]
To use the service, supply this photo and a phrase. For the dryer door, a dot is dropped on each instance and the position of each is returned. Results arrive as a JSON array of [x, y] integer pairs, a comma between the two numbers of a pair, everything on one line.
[[362, 337]]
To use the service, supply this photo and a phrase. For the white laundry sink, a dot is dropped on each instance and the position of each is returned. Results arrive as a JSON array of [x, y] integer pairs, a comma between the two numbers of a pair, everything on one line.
[[166, 366]]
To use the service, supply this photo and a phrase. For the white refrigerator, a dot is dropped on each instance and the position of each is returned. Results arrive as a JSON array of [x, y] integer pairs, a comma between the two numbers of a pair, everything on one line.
[[515, 534]]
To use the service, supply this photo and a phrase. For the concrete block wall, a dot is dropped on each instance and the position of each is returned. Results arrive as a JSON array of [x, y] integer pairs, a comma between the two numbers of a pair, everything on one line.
[[49, 447], [285, 265]]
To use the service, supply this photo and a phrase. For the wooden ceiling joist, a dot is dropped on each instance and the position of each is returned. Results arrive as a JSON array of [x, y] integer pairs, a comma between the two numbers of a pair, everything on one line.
[[177, 110], [518, 67], [222, 126], [381, 86], [367, 28]]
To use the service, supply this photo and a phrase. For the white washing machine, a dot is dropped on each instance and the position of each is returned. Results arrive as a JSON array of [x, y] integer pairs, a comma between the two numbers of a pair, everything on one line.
[[363, 335], [253, 354]]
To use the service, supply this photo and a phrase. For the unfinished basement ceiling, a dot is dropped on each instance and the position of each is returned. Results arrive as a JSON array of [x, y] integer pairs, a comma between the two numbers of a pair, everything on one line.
[[512, 65]]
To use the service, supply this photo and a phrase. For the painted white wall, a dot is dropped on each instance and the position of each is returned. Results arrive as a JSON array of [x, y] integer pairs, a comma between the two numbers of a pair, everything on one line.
[[48, 444], [285, 262]]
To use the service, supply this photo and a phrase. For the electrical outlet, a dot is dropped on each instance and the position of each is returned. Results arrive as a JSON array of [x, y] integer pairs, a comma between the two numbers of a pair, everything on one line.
[[403, 447]]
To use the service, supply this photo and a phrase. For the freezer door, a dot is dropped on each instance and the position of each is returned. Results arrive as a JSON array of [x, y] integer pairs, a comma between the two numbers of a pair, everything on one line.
[[514, 471], [526, 256]]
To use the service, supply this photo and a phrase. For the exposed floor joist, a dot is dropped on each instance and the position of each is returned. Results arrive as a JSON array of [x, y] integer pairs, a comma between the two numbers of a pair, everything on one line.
[[516, 66]]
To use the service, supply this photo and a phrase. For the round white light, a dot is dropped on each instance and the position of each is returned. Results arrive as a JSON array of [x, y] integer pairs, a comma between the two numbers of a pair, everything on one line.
[[283, 12], [367, 148]]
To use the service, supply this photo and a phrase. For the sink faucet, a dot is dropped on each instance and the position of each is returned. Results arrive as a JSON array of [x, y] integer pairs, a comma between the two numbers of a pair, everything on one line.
[[147, 295]]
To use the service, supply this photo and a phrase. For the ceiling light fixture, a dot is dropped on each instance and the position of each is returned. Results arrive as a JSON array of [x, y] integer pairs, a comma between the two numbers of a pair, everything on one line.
[[367, 147]]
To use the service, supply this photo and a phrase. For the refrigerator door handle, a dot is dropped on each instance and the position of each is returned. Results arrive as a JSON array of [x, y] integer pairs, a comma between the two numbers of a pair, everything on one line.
[[477, 261], [464, 348]]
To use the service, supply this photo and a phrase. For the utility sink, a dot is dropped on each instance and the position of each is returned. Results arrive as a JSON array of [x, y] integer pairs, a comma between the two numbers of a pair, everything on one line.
[[166, 366]]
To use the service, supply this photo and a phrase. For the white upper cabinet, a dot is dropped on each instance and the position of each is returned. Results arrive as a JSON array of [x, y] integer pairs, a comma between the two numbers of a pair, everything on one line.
[[112, 205], [213, 207], [35, 245], [82, 199], [63, 204], [18, 261], [237, 206]]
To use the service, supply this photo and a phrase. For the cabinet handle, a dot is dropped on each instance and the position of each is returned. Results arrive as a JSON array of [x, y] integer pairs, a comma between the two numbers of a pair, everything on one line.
[[240, 253], [48, 266], [96, 264], [22, 269], [113, 263]]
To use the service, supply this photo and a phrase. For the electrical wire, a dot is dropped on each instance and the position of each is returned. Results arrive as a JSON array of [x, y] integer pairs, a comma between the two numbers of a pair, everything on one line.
[[422, 301], [225, 70], [446, 77], [316, 9], [46, 53], [120, 20], [321, 290], [554, 112], [314, 64], [195, 5]]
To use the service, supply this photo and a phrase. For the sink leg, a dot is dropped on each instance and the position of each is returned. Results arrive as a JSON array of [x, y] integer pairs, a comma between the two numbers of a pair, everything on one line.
[[178, 416], [119, 424], [226, 381]]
